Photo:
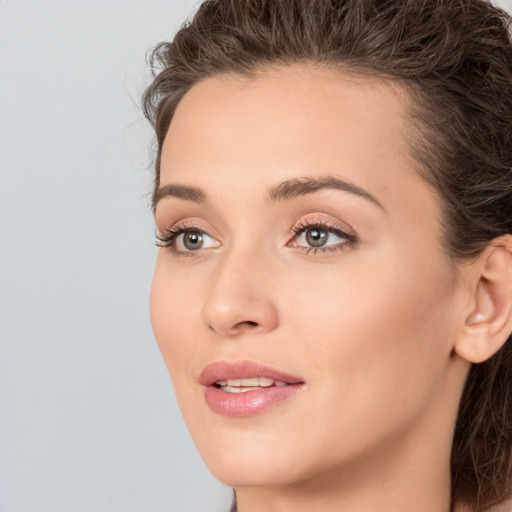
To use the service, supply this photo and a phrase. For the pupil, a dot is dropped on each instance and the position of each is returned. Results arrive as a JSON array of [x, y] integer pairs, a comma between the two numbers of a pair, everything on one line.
[[316, 237], [193, 240]]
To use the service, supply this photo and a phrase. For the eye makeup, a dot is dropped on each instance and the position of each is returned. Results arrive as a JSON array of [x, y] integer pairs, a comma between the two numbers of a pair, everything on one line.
[[180, 239]]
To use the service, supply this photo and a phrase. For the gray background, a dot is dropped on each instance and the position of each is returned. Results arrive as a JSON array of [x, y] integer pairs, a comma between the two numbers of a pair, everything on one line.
[[88, 420]]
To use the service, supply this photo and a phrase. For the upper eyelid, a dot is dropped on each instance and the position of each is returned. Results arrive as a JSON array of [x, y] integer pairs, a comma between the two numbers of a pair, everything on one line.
[[187, 224], [333, 225], [163, 218], [302, 223]]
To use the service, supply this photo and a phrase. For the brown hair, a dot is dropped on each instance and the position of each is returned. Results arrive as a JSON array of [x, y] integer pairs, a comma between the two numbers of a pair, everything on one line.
[[455, 58]]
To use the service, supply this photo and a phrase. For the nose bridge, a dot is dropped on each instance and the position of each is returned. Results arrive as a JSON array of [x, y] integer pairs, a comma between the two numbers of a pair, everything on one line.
[[238, 296]]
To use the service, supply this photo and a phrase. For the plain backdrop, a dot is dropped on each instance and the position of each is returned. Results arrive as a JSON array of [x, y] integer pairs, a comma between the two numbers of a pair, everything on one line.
[[88, 419]]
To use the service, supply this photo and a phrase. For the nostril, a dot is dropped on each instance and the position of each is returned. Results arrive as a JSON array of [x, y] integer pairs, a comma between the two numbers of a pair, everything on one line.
[[248, 323]]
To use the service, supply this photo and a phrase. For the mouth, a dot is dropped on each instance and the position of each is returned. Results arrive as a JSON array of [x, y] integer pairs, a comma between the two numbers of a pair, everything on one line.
[[246, 388], [244, 385]]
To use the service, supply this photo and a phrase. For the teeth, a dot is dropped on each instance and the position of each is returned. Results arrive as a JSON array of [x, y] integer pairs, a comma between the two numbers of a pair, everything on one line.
[[238, 389], [243, 385], [265, 382], [247, 382]]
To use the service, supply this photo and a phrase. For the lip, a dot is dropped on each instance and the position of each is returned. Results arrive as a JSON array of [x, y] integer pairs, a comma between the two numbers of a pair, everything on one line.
[[224, 370], [247, 403]]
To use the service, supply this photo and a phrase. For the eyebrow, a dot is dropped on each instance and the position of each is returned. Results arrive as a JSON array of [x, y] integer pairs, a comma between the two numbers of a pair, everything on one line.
[[181, 192], [284, 191]]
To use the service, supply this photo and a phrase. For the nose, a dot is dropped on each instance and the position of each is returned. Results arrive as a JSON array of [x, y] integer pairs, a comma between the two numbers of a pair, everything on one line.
[[239, 298]]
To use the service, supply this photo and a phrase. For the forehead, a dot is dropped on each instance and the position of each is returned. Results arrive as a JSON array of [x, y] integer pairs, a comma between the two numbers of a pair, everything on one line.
[[232, 132], [311, 87], [280, 106]]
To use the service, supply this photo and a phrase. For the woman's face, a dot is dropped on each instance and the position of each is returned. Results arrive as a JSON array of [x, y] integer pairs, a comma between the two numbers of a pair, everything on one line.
[[311, 256]]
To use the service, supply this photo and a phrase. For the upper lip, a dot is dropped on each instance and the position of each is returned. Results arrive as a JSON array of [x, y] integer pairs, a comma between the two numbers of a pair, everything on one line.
[[226, 370]]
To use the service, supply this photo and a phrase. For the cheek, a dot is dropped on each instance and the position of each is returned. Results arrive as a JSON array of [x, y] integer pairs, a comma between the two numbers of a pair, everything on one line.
[[377, 343], [169, 303], [367, 308], [176, 321]]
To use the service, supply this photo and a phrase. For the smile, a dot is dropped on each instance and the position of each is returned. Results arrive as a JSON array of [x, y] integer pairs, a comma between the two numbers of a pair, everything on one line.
[[244, 385], [245, 388]]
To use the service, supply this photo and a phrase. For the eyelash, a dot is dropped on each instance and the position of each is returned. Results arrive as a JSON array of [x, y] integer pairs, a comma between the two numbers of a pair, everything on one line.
[[167, 239], [303, 226]]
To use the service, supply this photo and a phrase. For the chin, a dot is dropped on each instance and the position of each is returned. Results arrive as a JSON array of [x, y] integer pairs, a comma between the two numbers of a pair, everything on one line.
[[264, 475], [256, 463]]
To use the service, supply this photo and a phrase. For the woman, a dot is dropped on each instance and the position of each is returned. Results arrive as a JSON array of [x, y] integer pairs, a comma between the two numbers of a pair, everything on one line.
[[333, 289]]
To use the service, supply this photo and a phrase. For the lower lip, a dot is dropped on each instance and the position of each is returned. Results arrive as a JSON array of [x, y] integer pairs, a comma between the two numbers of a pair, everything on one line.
[[248, 403]]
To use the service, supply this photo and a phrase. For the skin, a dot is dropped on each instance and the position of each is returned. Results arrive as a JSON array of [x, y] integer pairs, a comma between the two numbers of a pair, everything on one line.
[[371, 328]]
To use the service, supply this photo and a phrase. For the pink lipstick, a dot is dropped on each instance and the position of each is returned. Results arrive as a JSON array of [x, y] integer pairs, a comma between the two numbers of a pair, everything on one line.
[[245, 388]]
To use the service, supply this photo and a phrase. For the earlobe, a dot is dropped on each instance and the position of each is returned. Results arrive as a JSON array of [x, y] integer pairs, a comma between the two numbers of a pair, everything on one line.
[[488, 324]]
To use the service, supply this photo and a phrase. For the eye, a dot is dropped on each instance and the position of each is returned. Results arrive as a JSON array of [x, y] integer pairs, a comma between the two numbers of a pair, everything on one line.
[[321, 236], [185, 240]]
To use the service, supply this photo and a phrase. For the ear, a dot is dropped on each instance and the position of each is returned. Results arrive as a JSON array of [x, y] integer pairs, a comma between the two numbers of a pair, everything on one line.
[[488, 317]]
